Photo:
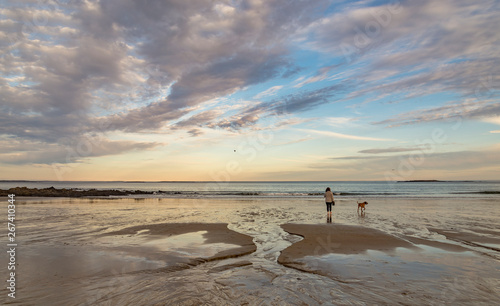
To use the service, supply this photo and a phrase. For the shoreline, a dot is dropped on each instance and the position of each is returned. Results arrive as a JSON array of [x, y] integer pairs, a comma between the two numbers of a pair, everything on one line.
[[68, 192], [358, 190], [144, 195]]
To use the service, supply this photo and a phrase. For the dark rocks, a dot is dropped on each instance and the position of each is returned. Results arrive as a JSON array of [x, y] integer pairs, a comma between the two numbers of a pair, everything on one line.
[[73, 193]]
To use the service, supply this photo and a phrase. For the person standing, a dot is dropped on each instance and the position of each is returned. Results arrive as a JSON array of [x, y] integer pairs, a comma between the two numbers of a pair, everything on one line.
[[329, 202]]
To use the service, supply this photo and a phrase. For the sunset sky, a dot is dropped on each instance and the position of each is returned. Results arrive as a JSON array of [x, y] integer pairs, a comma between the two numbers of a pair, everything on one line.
[[249, 90]]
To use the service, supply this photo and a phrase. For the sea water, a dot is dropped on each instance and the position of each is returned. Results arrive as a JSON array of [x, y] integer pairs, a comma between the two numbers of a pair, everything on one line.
[[352, 189]]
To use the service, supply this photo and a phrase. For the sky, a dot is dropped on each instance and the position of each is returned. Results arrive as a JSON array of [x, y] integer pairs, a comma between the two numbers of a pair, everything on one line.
[[251, 90]]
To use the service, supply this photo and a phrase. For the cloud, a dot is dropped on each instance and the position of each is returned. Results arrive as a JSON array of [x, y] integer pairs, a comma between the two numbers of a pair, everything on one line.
[[195, 132], [23, 152], [236, 122], [277, 109], [136, 67], [427, 27], [151, 117], [75, 68], [455, 111], [344, 136], [207, 55], [320, 76], [389, 150], [268, 92], [296, 102], [293, 141], [494, 120], [404, 50], [339, 121], [406, 166], [306, 100], [358, 157], [200, 119]]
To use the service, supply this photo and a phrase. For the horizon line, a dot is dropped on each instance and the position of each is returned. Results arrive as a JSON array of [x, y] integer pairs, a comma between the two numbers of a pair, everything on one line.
[[251, 181]]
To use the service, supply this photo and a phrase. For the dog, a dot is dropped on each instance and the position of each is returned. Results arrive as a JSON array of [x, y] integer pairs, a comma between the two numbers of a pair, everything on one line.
[[362, 206]]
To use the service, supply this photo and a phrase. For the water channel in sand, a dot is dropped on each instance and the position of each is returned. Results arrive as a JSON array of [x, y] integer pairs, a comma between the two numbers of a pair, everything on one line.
[[65, 260]]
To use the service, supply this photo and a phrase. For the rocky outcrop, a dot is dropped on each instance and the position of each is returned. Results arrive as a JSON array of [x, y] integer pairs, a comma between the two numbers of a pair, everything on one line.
[[73, 193]]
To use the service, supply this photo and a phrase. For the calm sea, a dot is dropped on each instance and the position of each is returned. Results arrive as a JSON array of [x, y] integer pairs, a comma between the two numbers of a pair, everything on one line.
[[482, 189]]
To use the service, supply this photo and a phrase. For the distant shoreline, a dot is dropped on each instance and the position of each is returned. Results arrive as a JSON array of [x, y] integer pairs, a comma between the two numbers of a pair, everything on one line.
[[421, 181], [434, 181], [70, 193]]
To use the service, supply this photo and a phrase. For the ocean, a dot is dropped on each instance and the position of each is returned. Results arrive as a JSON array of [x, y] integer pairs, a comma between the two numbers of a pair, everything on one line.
[[348, 189]]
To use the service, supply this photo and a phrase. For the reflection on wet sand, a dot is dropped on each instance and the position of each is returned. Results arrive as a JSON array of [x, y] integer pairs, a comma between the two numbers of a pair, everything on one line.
[[354, 255], [204, 241]]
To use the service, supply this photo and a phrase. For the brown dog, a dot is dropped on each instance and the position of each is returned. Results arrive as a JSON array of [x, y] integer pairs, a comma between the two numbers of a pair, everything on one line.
[[362, 206]]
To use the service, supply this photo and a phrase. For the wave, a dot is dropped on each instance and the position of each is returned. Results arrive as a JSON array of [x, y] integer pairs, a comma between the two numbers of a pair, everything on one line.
[[250, 190], [265, 194]]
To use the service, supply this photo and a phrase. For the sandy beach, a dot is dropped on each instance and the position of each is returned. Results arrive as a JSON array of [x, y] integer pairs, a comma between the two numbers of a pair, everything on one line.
[[228, 251]]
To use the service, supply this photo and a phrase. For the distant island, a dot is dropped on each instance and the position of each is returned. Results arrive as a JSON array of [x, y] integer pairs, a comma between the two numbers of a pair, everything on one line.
[[431, 181], [420, 181]]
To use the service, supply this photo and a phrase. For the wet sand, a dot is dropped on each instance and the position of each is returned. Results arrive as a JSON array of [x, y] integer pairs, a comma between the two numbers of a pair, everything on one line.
[[256, 251], [335, 238], [184, 244], [489, 241], [361, 256], [338, 238]]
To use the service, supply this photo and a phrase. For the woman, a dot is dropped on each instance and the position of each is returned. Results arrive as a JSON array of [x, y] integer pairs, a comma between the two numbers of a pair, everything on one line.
[[329, 201]]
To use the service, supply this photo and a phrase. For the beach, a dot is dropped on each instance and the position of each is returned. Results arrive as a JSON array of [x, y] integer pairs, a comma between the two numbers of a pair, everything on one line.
[[246, 250], [182, 152]]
